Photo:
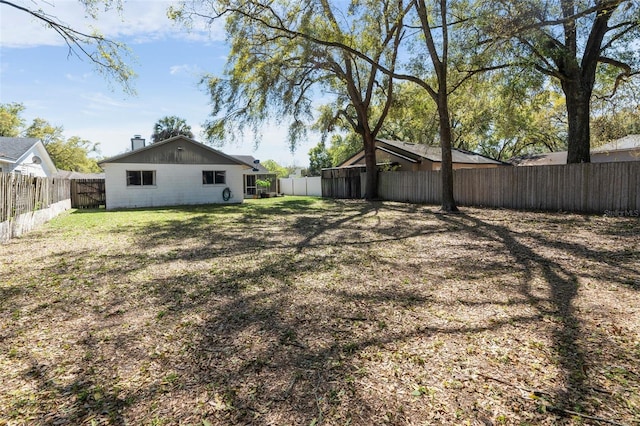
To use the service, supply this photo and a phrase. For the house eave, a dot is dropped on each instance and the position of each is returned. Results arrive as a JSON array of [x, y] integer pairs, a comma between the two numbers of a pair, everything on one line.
[[120, 157], [397, 154]]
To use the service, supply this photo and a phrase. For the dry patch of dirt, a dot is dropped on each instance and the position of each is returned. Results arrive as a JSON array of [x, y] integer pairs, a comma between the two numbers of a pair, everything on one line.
[[308, 312]]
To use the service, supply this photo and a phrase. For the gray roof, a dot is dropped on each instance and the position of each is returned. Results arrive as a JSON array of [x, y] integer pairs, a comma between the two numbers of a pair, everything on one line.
[[14, 148], [247, 159], [434, 153], [66, 174], [542, 159], [629, 142], [175, 150]]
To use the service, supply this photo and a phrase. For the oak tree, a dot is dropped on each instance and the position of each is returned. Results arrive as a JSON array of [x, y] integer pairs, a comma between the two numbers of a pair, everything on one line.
[[284, 54], [570, 41]]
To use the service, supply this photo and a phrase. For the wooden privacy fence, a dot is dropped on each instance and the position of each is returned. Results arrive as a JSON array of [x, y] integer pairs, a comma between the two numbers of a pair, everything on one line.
[[22, 194], [342, 183], [588, 188], [87, 193]]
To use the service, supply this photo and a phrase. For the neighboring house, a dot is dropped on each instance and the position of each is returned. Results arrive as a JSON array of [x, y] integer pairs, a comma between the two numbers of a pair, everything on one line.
[[542, 159], [176, 171], [27, 156], [407, 156], [257, 173], [623, 149], [66, 174]]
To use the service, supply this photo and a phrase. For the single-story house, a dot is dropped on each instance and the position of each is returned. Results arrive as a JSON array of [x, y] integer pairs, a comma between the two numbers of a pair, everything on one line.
[[623, 149], [254, 175], [176, 171], [27, 156], [407, 156]]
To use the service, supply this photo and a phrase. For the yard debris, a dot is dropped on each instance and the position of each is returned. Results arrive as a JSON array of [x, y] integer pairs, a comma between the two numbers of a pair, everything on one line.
[[337, 312]]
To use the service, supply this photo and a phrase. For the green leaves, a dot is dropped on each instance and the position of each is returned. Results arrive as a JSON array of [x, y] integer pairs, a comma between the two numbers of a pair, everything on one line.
[[170, 126], [67, 154], [341, 148], [73, 154], [284, 54], [318, 159], [43, 130], [10, 119]]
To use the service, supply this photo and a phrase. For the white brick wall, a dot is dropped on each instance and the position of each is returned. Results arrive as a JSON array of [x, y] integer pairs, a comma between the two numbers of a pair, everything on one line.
[[176, 184]]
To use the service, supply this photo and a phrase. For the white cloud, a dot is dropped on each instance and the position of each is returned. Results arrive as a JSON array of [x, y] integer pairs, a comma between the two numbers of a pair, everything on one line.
[[99, 100], [182, 69], [77, 78], [138, 22]]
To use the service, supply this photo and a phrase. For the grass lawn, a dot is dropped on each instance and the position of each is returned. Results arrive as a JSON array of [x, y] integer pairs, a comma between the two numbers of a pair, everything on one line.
[[301, 311]]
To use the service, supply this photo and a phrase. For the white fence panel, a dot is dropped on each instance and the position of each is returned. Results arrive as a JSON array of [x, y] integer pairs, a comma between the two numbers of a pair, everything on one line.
[[311, 186]]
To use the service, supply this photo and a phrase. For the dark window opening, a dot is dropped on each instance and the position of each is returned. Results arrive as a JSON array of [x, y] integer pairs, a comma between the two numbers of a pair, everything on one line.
[[141, 177], [213, 177]]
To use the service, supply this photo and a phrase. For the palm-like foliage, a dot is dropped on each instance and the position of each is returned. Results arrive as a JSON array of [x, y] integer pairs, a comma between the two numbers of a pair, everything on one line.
[[170, 126]]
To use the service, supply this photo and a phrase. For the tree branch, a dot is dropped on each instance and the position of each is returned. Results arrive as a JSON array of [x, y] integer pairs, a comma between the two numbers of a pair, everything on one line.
[[75, 39], [626, 73]]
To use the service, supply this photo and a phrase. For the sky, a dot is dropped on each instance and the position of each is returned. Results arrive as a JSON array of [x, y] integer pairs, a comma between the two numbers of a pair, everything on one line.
[[37, 71]]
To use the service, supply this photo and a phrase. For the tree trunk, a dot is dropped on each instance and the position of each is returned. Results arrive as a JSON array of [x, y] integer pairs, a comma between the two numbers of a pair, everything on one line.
[[446, 170], [371, 188], [579, 137]]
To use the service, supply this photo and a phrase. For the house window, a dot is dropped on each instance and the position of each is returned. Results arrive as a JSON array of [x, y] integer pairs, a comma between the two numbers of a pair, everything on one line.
[[141, 177], [214, 177]]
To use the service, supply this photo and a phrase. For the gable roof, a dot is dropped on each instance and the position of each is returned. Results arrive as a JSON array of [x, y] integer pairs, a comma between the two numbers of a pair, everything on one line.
[[26, 155], [175, 150], [414, 152], [434, 153], [542, 159], [12, 149]]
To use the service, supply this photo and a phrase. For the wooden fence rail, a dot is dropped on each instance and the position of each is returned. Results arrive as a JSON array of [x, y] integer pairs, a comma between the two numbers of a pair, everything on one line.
[[588, 188], [22, 194]]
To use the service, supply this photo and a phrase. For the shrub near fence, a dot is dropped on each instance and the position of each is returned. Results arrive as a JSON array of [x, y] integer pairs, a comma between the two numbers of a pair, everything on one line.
[[587, 188]]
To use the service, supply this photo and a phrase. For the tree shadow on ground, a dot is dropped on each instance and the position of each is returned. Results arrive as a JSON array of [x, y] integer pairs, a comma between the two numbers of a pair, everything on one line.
[[211, 323], [563, 284]]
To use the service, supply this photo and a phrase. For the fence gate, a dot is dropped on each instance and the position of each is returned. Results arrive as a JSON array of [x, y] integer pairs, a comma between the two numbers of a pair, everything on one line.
[[87, 193]]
